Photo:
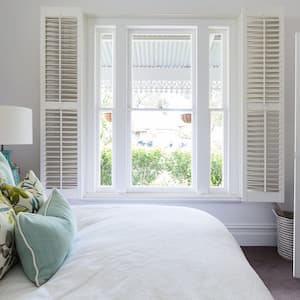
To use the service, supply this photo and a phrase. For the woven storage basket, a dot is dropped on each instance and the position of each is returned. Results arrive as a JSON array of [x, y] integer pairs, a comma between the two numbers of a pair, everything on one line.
[[285, 229]]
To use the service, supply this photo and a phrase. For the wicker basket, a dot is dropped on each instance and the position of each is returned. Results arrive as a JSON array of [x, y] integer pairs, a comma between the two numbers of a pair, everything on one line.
[[285, 229]]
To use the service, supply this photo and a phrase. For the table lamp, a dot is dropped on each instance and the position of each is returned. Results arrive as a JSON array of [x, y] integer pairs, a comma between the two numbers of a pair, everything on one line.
[[15, 129]]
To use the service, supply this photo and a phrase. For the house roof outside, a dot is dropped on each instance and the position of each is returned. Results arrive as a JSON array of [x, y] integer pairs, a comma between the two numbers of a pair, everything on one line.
[[160, 63]]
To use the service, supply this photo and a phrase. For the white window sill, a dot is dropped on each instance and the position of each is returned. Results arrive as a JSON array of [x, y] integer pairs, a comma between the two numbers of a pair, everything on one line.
[[160, 197]]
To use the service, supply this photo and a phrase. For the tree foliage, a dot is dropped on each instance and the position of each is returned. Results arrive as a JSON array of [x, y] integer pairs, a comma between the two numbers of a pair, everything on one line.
[[106, 165], [179, 165], [148, 165], [216, 169]]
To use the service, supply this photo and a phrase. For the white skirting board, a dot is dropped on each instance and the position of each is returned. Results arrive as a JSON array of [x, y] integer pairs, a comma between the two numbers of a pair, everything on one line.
[[254, 234]]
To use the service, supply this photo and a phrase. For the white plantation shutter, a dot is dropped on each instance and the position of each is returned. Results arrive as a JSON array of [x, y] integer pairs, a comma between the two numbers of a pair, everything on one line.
[[60, 103], [263, 109]]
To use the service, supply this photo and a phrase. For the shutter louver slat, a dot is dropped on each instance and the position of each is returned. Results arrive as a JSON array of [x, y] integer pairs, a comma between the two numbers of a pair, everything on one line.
[[52, 148], [264, 109], [52, 55], [60, 109], [255, 151], [69, 154], [61, 148], [68, 67]]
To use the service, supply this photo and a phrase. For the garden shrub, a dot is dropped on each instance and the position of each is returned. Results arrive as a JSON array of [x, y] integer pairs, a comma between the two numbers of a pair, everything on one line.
[[179, 165], [147, 165], [106, 164], [216, 169]]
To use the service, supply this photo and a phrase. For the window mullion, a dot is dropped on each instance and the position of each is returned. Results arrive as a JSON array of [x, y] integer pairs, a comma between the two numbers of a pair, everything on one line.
[[96, 117], [120, 127], [202, 114], [91, 130], [233, 113], [226, 125]]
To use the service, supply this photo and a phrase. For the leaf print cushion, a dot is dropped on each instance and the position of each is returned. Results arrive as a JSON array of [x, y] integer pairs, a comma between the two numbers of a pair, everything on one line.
[[8, 254], [4, 200], [20, 199], [32, 184]]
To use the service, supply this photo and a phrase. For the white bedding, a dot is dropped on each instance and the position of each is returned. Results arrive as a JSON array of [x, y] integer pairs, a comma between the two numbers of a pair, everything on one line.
[[146, 253]]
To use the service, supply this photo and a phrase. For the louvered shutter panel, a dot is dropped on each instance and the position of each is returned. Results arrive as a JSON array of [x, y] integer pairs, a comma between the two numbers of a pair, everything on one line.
[[263, 109], [60, 103]]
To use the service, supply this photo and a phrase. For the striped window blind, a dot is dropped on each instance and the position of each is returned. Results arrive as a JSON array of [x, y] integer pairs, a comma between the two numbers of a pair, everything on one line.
[[60, 103], [264, 109]]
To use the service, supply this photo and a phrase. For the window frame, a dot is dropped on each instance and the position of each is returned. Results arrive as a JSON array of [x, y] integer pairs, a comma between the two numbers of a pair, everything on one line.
[[99, 109], [201, 189], [224, 109], [148, 30]]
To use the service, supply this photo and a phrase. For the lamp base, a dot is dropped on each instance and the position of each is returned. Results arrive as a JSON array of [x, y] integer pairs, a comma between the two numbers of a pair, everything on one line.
[[15, 169]]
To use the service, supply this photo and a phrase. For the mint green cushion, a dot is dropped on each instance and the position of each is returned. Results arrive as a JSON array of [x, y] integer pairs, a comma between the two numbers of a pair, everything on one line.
[[6, 174], [44, 239]]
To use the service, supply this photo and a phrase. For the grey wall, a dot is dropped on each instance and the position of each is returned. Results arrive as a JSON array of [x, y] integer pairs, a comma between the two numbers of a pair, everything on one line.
[[19, 71]]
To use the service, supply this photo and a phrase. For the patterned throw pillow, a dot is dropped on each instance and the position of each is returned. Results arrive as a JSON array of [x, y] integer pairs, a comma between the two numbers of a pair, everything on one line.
[[28, 196], [7, 241], [5, 171], [33, 185], [21, 200]]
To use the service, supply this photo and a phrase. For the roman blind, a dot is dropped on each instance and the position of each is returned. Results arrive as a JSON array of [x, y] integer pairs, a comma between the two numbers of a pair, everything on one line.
[[60, 99], [263, 93]]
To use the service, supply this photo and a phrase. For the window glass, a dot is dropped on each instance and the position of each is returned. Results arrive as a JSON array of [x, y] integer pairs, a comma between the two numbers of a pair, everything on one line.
[[106, 104], [216, 148], [216, 70], [161, 145], [161, 116], [106, 74], [216, 103]]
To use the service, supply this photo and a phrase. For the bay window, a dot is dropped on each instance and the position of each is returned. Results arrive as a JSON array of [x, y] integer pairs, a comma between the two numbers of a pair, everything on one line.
[[158, 115]]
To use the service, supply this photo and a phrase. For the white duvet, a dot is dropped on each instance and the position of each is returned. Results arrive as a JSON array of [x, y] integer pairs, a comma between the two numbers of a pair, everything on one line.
[[146, 253]]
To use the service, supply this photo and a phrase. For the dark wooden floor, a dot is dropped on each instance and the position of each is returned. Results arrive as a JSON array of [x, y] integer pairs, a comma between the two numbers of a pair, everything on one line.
[[276, 272]]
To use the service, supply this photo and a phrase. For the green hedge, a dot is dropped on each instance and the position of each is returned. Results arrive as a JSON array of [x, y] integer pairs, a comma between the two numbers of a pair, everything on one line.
[[148, 165], [216, 169], [105, 166], [179, 165]]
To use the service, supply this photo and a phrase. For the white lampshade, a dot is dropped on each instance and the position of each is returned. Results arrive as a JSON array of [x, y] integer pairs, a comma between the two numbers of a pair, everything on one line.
[[15, 125]]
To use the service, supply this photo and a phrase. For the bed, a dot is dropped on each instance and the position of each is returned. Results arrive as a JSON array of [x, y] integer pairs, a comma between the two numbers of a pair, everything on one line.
[[145, 252]]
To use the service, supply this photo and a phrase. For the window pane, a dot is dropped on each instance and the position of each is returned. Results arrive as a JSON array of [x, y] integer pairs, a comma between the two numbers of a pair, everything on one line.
[[216, 70], [161, 144], [216, 148], [161, 71], [106, 74], [106, 148]]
